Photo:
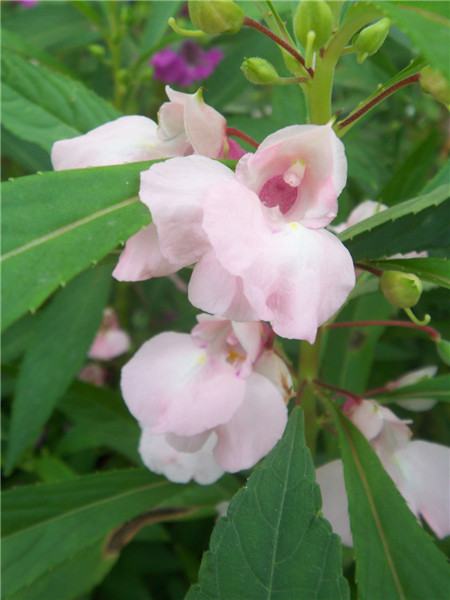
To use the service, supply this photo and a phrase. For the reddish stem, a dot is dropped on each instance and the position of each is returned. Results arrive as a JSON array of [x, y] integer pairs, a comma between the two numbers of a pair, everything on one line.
[[430, 331], [345, 393], [377, 99], [243, 136], [377, 391], [372, 270], [273, 36]]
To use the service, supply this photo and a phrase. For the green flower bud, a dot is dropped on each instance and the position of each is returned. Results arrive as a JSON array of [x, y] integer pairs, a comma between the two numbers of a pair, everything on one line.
[[443, 348], [216, 16], [371, 38], [401, 289], [435, 84], [315, 16], [259, 71]]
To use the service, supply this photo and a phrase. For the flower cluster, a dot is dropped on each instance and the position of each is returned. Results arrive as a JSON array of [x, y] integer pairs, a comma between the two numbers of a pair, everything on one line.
[[419, 469]]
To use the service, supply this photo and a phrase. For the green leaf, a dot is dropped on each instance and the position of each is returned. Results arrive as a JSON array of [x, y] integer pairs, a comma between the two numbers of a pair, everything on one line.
[[59, 224], [434, 388], [395, 558], [156, 25], [427, 24], [434, 270], [273, 543], [46, 525], [61, 340], [417, 224], [42, 106], [99, 418], [442, 177]]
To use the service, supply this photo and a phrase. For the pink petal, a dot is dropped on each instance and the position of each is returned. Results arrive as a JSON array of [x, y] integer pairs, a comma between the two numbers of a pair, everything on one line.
[[172, 385], [320, 151], [109, 344], [125, 140], [425, 482], [175, 192], [254, 429], [180, 467], [142, 259], [275, 369], [363, 211], [418, 404], [330, 478]]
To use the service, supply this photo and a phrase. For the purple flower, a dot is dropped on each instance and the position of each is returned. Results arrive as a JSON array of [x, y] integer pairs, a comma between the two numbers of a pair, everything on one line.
[[186, 65], [27, 3]]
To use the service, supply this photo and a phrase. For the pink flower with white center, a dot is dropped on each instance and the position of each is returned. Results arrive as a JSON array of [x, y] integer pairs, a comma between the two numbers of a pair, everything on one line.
[[217, 395], [111, 341], [187, 125], [251, 262], [420, 470]]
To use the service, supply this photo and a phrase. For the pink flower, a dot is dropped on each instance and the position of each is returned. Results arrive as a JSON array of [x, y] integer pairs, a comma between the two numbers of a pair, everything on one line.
[[419, 470], [188, 64], [217, 395], [94, 374], [252, 261], [187, 125], [110, 341]]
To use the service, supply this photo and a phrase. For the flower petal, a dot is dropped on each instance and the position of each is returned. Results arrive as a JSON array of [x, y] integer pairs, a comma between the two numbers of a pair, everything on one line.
[[180, 467], [254, 429], [109, 344], [173, 386], [142, 259], [125, 140], [330, 478]]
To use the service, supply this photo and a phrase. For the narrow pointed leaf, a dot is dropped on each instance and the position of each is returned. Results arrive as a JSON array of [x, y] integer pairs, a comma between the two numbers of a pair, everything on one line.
[[433, 388], [434, 270], [57, 224], [395, 558], [274, 543]]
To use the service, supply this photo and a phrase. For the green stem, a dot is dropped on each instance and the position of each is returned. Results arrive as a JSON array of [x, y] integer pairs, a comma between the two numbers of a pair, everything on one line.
[[114, 43], [308, 368], [319, 89]]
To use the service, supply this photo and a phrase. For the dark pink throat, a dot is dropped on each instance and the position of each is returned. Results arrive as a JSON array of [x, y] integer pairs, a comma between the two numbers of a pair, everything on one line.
[[276, 192]]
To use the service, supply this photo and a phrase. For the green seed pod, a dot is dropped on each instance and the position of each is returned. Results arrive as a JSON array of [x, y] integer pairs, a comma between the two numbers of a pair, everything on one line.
[[401, 289], [259, 71], [315, 16], [216, 16], [443, 348], [435, 84], [371, 38]]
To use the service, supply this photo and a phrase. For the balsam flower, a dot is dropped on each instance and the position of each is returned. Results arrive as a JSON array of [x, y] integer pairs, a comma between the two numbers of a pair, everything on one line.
[[111, 340], [419, 469], [186, 65], [418, 404], [217, 395], [187, 125], [254, 259]]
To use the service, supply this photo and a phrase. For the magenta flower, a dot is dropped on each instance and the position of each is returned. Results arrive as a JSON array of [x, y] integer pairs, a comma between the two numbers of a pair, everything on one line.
[[186, 65], [27, 3]]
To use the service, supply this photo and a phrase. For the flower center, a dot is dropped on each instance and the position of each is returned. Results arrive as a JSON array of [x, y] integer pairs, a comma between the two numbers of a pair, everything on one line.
[[282, 190]]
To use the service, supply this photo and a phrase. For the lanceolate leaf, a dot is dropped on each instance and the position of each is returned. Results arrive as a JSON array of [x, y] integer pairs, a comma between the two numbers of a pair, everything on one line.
[[273, 543], [56, 352], [427, 24], [57, 224], [435, 388], [42, 106], [395, 558], [37, 518], [434, 270], [417, 224]]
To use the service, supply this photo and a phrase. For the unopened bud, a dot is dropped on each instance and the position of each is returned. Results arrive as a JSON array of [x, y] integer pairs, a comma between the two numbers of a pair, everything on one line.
[[313, 16], [435, 84], [401, 289], [96, 50], [259, 71], [216, 16], [443, 348], [371, 38]]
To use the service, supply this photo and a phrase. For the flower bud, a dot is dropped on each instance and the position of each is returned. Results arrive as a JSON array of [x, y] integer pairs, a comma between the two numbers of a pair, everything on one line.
[[315, 16], [443, 348], [371, 38], [435, 84], [216, 16], [401, 289], [259, 71]]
